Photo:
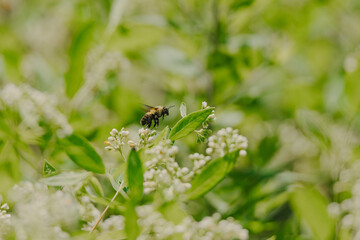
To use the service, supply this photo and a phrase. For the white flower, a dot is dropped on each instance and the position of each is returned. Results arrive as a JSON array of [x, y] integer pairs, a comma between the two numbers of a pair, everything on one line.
[[117, 139], [163, 173], [114, 132], [212, 227], [4, 219], [242, 153], [41, 213], [34, 105], [204, 104], [226, 140]]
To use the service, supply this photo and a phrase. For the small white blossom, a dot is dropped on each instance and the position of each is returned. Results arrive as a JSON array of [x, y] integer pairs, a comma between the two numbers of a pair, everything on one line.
[[155, 226], [199, 161], [4, 219], [226, 140], [116, 140], [146, 136], [33, 105], [114, 222], [40, 213], [204, 104], [163, 173], [242, 153]]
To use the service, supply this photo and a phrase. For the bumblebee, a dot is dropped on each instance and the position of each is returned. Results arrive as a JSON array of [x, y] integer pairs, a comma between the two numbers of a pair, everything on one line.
[[154, 114]]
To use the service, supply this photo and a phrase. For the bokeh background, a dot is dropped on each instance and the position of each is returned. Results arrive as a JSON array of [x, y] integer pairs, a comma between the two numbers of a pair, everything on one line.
[[285, 73]]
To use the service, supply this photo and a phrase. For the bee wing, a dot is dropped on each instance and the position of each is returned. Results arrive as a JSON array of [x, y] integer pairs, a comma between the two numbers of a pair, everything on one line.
[[147, 107]]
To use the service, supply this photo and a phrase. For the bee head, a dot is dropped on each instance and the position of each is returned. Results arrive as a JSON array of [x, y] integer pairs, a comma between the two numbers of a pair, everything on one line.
[[166, 109]]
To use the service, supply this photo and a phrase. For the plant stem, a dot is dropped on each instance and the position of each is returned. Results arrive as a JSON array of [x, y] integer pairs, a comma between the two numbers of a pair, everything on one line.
[[120, 190]]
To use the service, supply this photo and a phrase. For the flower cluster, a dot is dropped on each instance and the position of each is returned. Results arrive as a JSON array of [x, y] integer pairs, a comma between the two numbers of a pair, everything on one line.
[[212, 227], [349, 210], [116, 140], [146, 136], [42, 214], [164, 173], [114, 222], [99, 62], [4, 219], [199, 161], [89, 213], [225, 141], [34, 105], [155, 226]]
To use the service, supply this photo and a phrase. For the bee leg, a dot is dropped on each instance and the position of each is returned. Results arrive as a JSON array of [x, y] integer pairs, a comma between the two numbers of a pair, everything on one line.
[[156, 121], [153, 118], [149, 123]]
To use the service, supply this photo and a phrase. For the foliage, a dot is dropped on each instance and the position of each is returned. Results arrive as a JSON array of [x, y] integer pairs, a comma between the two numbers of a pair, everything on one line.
[[284, 73]]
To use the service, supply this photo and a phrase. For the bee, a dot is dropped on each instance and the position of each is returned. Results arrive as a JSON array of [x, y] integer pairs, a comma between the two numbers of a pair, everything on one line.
[[154, 114]]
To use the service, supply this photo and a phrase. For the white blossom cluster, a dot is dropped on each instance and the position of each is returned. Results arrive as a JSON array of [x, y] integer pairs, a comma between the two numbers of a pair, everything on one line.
[[114, 222], [42, 214], [212, 227], [89, 213], [210, 118], [34, 105], [4, 219], [226, 140], [199, 161], [349, 211], [155, 226], [164, 173], [146, 136], [99, 62], [116, 140]]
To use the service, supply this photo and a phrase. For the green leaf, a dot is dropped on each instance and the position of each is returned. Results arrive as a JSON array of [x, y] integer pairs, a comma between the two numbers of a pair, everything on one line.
[[74, 78], [189, 123], [183, 109], [113, 182], [241, 3], [82, 153], [106, 202], [64, 179], [48, 169], [4, 127], [96, 186], [131, 226], [212, 174], [162, 136], [172, 212], [311, 207], [135, 176]]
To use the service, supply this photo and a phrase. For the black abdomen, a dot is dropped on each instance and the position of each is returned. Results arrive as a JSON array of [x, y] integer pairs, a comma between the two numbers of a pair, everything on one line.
[[145, 120]]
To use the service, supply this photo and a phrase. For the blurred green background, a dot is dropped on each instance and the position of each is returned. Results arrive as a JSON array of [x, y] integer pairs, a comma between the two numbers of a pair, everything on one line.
[[285, 73]]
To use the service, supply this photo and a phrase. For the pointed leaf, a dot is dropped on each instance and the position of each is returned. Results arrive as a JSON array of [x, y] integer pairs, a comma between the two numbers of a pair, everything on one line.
[[82, 153], [311, 207], [48, 169], [189, 124], [96, 186], [212, 174], [113, 182], [162, 136], [135, 176], [64, 179], [74, 78]]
